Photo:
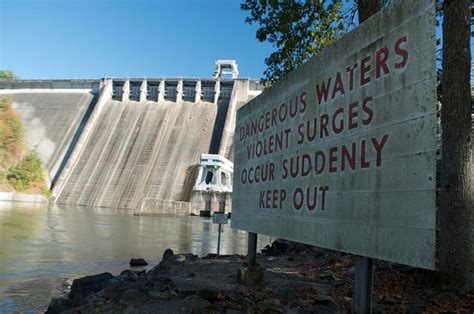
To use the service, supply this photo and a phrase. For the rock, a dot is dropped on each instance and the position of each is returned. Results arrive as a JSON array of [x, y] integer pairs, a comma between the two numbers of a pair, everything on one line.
[[326, 310], [167, 254], [284, 294], [162, 295], [280, 246], [59, 304], [267, 249], [325, 305], [137, 262], [132, 296], [194, 304], [131, 310], [324, 300], [418, 308], [129, 275], [250, 276], [208, 294], [112, 291], [272, 306], [350, 272], [86, 285], [210, 256]]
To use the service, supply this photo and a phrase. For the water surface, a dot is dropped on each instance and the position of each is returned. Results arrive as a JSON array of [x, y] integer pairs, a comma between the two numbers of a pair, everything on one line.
[[43, 249]]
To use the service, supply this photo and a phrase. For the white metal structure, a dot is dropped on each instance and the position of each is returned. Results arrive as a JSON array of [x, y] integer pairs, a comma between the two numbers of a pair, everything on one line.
[[215, 174]]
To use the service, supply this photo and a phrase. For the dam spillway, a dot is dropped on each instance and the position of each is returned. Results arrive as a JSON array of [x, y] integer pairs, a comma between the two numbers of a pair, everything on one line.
[[139, 150], [129, 142]]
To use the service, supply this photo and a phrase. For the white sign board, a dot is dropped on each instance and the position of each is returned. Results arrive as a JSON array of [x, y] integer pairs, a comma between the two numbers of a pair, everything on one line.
[[341, 153], [220, 218]]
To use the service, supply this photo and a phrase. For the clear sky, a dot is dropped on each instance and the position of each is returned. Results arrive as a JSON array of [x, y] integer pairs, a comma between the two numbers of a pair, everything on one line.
[[126, 38]]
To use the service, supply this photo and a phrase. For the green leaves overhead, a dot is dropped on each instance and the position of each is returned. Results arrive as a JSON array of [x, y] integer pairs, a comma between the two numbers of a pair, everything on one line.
[[297, 29]]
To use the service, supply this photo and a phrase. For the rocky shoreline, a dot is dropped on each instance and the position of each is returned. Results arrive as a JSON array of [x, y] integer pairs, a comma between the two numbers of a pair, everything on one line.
[[297, 279]]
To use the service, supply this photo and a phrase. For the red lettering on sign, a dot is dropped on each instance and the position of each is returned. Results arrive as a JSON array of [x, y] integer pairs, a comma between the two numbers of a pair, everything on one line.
[[367, 110], [364, 69], [323, 123], [353, 114], [338, 87], [363, 161], [401, 52], [322, 93], [332, 159], [323, 190], [378, 148], [348, 156], [338, 129], [298, 198], [381, 57], [350, 70]]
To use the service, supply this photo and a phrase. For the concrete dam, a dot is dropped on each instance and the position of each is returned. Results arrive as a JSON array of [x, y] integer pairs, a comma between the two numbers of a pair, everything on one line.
[[130, 143]]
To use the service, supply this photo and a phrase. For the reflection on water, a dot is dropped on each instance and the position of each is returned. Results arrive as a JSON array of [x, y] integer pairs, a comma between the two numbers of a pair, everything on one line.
[[43, 249]]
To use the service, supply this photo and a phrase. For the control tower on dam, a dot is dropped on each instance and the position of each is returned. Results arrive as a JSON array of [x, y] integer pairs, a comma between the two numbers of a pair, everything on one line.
[[130, 143]]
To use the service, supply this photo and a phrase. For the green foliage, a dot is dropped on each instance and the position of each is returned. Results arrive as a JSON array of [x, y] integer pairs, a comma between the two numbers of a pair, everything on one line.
[[25, 175], [46, 192], [298, 29], [5, 103], [7, 75], [11, 132], [27, 171]]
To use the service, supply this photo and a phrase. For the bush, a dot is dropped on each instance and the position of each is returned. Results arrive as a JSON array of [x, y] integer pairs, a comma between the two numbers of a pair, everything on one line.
[[27, 171], [7, 75], [11, 130]]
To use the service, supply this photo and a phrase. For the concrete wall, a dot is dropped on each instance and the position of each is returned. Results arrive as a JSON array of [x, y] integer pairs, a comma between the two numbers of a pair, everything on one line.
[[137, 151], [51, 119], [139, 154], [128, 152], [23, 198], [33, 86]]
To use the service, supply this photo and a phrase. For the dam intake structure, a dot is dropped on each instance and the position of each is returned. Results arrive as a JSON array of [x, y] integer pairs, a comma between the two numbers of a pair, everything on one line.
[[130, 143]]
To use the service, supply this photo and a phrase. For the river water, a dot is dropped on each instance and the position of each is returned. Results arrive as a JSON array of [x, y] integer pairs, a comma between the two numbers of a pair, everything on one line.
[[43, 249]]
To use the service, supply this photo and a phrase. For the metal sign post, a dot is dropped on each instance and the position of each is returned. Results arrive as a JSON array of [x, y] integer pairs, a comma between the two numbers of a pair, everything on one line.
[[252, 249], [219, 218], [362, 295], [219, 240]]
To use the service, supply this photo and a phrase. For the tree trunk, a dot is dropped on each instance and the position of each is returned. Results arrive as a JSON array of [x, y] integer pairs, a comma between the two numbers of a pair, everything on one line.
[[456, 215], [367, 8]]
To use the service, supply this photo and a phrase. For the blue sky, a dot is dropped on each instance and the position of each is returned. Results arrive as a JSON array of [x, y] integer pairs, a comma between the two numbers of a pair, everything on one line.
[[144, 38]]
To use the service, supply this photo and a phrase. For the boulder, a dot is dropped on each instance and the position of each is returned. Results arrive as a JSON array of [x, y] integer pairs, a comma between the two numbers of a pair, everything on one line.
[[59, 304], [132, 296], [167, 253], [194, 304], [250, 276], [84, 286], [137, 262]]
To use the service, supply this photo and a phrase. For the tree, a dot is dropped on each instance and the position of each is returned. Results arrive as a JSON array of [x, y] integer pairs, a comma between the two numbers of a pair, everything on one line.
[[7, 75], [299, 29], [456, 237]]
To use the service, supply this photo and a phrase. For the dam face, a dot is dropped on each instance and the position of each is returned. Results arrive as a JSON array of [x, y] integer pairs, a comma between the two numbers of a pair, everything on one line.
[[123, 143]]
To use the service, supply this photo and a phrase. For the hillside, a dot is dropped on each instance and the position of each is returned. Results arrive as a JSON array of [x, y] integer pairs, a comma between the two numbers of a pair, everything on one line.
[[20, 169]]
